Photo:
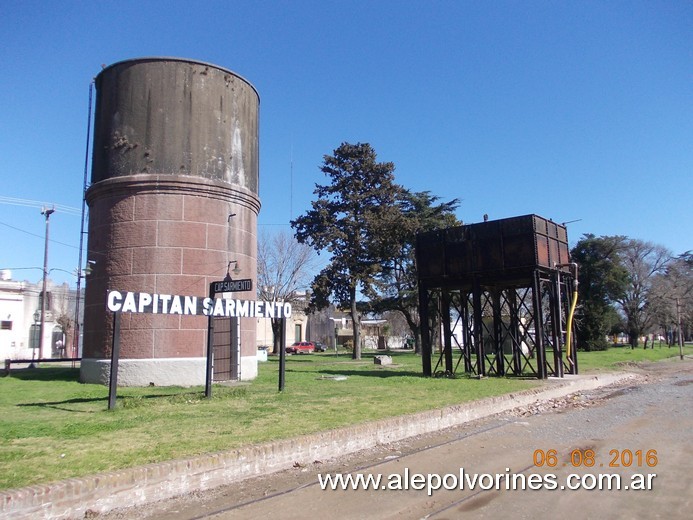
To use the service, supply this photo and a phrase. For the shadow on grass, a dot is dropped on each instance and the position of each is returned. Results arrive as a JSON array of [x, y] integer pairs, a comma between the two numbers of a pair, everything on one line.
[[125, 400], [56, 404], [342, 357], [385, 373], [382, 373], [46, 374], [295, 358]]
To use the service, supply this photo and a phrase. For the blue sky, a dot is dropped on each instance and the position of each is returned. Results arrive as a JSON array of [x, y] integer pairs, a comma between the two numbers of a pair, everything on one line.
[[576, 111]]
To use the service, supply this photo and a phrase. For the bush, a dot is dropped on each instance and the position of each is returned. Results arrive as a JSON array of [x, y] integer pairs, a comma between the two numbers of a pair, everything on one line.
[[593, 345]]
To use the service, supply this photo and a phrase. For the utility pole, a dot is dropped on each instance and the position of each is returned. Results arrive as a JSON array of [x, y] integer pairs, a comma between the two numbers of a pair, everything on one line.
[[47, 212], [680, 332]]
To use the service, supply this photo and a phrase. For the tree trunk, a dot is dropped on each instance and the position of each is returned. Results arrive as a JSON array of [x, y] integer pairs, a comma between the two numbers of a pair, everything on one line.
[[634, 337], [276, 335], [355, 326], [415, 330]]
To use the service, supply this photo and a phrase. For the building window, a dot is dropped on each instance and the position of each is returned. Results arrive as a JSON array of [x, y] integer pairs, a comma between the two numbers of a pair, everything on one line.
[[5, 325], [34, 336], [48, 301]]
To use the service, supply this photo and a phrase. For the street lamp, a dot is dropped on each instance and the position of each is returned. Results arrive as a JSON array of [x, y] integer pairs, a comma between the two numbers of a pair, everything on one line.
[[34, 339], [236, 270], [47, 212]]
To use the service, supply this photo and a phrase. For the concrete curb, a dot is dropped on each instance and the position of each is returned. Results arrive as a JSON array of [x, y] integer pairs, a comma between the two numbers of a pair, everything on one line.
[[71, 498]]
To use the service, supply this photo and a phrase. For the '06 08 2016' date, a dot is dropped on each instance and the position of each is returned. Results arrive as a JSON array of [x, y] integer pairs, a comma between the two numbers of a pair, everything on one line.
[[588, 458]]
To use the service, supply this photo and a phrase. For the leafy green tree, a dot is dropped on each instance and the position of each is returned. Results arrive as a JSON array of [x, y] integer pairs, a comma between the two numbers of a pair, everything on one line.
[[396, 286], [353, 219], [602, 281]]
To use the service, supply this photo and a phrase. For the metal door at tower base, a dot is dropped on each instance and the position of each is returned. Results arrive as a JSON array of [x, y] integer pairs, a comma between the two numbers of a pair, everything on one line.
[[226, 350]]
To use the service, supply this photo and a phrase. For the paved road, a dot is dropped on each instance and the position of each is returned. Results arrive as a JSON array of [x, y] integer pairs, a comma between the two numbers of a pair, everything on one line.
[[651, 420]]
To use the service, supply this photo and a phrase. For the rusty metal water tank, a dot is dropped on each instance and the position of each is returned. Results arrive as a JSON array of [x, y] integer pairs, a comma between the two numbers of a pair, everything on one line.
[[173, 199], [509, 248]]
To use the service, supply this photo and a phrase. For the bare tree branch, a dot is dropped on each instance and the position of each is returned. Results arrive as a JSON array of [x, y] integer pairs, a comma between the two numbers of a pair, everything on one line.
[[284, 271]]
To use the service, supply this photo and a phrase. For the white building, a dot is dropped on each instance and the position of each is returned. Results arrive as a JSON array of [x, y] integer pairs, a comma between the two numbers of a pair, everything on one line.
[[20, 317]]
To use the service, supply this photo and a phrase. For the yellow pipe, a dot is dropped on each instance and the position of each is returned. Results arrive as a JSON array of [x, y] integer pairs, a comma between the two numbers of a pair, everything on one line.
[[570, 320]]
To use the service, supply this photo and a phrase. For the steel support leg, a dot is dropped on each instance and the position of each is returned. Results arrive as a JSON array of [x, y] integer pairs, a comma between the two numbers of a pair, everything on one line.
[[447, 333], [425, 330], [539, 327]]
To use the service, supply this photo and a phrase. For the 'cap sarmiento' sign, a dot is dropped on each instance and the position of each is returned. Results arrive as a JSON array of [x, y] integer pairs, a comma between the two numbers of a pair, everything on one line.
[[141, 302], [232, 285]]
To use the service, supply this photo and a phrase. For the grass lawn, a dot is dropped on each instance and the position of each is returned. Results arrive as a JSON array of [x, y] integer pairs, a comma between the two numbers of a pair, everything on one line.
[[53, 427], [621, 356]]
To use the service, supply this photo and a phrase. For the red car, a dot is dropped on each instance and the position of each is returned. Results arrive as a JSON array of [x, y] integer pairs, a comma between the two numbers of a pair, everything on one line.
[[301, 347]]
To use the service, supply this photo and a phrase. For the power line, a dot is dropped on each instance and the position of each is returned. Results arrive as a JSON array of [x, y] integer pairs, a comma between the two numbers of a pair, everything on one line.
[[35, 235], [69, 210]]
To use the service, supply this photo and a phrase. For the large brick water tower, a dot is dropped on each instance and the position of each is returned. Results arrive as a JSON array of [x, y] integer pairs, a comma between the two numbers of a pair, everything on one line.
[[173, 204]]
